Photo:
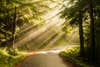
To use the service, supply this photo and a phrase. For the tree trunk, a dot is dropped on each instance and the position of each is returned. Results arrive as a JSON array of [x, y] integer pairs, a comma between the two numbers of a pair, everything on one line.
[[82, 53], [92, 32], [13, 28]]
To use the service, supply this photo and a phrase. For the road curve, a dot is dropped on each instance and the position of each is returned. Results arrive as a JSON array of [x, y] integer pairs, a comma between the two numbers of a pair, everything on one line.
[[44, 60]]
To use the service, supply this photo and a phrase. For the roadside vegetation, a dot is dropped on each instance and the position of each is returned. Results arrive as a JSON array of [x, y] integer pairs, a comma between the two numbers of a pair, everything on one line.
[[72, 55], [8, 60]]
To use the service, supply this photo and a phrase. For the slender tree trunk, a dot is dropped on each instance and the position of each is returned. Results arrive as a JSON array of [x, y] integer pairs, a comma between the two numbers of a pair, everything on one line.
[[82, 53], [11, 47], [7, 24], [13, 28], [92, 32]]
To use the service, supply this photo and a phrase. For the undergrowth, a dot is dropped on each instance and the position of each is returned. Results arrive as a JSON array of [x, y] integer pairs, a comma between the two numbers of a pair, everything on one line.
[[72, 55], [8, 60]]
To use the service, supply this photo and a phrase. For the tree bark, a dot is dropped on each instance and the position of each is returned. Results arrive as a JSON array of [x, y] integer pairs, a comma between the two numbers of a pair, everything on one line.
[[92, 31], [13, 28], [82, 52]]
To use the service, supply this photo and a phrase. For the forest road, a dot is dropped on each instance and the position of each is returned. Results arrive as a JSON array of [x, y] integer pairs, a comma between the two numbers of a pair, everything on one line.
[[45, 60]]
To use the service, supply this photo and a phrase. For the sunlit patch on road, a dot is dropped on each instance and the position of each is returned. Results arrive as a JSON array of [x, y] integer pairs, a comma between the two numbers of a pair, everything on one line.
[[43, 52], [55, 50]]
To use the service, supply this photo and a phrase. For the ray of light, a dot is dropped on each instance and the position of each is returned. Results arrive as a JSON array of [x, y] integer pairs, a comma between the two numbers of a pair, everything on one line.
[[58, 27], [39, 31], [52, 13], [45, 42], [31, 28], [51, 39], [41, 39], [25, 32], [26, 28], [29, 35], [54, 40], [44, 38], [46, 34]]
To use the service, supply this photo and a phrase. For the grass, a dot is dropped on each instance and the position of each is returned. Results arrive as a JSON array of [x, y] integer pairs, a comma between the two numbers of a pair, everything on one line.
[[72, 55], [7, 60]]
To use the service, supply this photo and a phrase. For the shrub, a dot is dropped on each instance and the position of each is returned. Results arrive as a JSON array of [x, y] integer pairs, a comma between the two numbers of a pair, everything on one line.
[[72, 55], [7, 60]]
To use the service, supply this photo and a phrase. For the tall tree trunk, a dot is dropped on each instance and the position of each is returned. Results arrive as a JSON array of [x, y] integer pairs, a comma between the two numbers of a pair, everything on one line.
[[82, 53], [13, 28], [92, 32], [11, 47]]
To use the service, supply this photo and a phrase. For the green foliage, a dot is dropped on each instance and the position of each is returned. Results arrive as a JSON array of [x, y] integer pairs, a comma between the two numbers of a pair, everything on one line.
[[72, 55], [72, 14], [27, 12], [7, 60]]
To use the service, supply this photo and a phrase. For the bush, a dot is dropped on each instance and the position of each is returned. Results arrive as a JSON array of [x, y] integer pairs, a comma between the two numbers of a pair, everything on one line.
[[72, 55], [7, 60]]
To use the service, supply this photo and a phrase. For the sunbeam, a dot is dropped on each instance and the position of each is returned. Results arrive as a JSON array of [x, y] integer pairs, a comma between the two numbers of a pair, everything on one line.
[[41, 36], [54, 40], [34, 34]]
